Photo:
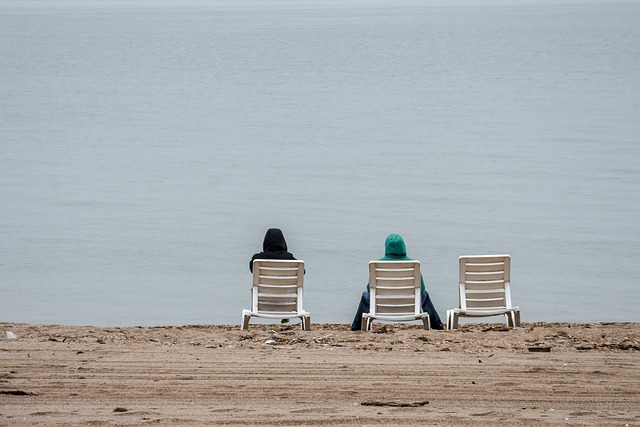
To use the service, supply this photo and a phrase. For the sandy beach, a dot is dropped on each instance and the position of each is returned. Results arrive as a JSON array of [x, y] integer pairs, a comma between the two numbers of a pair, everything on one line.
[[480, 374]]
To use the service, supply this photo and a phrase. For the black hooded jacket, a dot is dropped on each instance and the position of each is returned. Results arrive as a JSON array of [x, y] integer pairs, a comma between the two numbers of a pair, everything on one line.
[[273, 247]]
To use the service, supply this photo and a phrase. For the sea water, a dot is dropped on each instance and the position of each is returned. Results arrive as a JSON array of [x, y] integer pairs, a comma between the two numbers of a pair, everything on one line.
[[147, 145]]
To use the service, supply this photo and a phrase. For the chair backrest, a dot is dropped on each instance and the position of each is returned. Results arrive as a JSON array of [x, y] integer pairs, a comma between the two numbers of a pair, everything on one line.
[[394, 288], [277, 286], [485, 282]]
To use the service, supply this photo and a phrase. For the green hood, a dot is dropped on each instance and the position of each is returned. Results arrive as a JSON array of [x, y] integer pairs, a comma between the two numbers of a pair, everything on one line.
[[395, 250]]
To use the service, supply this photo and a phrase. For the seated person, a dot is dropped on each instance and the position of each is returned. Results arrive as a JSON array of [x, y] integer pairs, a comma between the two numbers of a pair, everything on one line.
[[395, 250]]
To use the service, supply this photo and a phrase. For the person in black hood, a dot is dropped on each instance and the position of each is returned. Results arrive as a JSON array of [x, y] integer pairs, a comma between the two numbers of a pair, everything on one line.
[[273, 247]]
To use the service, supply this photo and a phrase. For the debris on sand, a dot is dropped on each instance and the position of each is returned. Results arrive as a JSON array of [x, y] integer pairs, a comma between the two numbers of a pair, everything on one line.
[[394, 403]]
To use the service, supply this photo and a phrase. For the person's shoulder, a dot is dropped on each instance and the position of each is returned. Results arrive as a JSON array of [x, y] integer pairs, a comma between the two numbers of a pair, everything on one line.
[[259, 255]]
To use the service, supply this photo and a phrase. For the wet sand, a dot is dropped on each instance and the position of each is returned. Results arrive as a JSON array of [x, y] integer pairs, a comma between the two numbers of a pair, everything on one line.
[[480, 374]]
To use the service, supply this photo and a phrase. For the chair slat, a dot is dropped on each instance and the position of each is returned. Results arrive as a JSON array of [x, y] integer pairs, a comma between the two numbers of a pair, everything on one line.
[[285, 272], [488, 286], [483, 259], [395, 300], [400, 282], [394, 265], [278, 281], [476, 303], [484, 275], [277, 295], [484, 294]]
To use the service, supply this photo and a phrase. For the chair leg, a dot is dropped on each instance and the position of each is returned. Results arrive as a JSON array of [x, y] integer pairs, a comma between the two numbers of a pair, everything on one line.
[[449, 319], [454, 320], [245, 322], [306, 323], [516, 315], [426, 324], [364, 326]]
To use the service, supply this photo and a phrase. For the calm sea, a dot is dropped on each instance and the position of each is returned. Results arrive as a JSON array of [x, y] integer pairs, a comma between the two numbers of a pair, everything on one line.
[[147, 145]]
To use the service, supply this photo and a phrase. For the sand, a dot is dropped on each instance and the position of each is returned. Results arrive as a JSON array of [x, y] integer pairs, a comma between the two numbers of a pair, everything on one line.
[[480, 374]]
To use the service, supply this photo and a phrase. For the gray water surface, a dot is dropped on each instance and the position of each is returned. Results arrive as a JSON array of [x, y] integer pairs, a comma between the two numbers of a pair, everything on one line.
[[146, 146]]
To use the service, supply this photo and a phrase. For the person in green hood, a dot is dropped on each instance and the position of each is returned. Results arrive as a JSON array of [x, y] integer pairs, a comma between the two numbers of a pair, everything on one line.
[[395, 250]]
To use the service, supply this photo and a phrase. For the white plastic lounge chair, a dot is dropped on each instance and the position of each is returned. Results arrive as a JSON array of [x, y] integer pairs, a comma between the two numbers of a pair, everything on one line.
[[484, 290], [394, 291], [277, 292]]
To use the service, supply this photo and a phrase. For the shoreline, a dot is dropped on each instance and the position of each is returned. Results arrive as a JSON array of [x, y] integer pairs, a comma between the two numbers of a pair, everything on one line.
[[398, 374], [560, 336]]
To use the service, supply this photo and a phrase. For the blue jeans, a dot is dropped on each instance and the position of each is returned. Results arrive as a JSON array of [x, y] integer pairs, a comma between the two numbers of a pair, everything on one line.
[[427, 306]]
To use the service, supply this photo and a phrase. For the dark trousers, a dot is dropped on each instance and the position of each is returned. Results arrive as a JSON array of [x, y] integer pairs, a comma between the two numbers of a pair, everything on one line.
[[427, 307]]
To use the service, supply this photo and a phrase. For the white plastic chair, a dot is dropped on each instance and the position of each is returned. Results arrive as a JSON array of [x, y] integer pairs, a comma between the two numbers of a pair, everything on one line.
[[484, 290], [277, 292], [394, 291]]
